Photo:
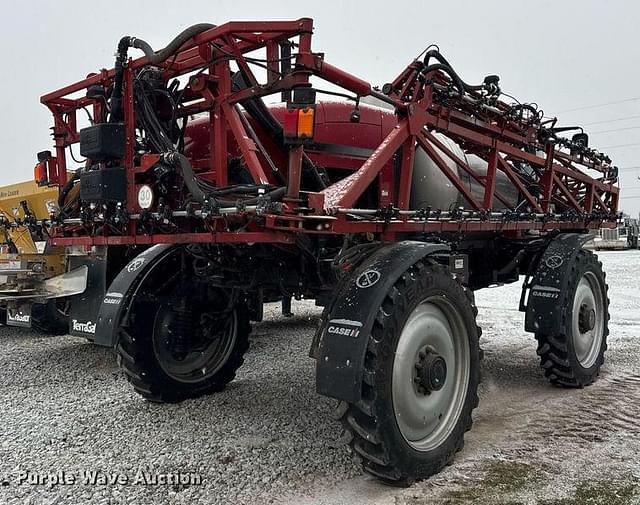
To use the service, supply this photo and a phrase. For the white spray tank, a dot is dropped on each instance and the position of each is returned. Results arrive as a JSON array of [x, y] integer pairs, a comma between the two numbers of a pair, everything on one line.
[[431, 188]]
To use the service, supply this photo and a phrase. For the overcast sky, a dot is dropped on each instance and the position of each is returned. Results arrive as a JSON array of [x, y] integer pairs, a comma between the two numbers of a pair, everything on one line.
[[564, 55]]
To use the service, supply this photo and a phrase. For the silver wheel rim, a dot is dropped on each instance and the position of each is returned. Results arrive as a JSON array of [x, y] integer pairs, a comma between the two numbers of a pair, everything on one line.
[[587, 334], [427, 419]]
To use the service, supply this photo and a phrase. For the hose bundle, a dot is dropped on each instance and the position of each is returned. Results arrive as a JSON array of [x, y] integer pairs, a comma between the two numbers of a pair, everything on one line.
[[490, 82], [155, 58], [201, 190]]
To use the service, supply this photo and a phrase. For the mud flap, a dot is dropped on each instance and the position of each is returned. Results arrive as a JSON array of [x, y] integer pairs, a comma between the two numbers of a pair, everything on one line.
[[19, 315], [83, 308], [543, 310], [343, 339], [115, 303]]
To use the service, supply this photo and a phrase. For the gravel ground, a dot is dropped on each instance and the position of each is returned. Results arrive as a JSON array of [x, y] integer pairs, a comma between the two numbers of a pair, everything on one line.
[[67, 410]]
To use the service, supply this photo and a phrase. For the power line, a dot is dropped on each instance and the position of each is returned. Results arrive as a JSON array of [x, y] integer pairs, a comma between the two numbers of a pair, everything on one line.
[[619, 145], [595, 106], [626, 118], [618, 129]]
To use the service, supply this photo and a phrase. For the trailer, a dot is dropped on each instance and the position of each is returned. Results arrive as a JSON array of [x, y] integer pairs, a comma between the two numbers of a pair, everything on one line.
[[389, 217], [633, 232], [623, 236]]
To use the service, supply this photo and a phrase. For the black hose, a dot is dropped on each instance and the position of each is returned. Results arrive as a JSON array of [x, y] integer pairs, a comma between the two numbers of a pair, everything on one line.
[[156, 57], [190, 179], [237, 189], [116, 94], [146, 113], [448, 70], [454, 75], [66, 189], [520, 108], [273, 195]]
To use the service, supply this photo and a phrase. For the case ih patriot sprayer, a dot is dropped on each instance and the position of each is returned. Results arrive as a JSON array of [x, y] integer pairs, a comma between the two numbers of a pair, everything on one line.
[[389, 217]]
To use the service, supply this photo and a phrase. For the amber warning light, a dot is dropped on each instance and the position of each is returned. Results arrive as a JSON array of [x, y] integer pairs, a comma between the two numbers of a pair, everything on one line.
[[40, 173], [299, 123]]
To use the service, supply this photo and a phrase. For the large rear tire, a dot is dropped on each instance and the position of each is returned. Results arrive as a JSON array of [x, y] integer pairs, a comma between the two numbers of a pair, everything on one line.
[[573, 354], [420, 379]]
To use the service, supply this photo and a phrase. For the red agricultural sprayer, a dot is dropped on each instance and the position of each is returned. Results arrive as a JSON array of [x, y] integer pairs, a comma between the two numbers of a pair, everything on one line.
[[389, 206]]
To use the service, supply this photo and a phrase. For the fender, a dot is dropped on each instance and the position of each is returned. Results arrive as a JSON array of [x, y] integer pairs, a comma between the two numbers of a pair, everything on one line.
[[544, 312], [123, 289], [344, 336]]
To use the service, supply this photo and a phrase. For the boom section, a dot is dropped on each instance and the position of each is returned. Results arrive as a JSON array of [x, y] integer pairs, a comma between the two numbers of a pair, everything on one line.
[[223, 76]]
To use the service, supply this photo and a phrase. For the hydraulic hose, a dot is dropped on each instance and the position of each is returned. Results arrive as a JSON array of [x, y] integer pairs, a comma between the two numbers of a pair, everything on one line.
[[521, 107], [274, 195], [191, 181], [454, 75], [66, 189], [448, 70], [156, 57], [153, 56], [116, 94]]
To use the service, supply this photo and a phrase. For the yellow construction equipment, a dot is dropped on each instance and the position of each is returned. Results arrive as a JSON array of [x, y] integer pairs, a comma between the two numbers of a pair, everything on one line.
[[15, 199], [28, 264]]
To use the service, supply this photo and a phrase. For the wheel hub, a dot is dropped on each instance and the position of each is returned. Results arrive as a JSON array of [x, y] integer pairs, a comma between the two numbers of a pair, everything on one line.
[[431, 372], [586, 318]]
